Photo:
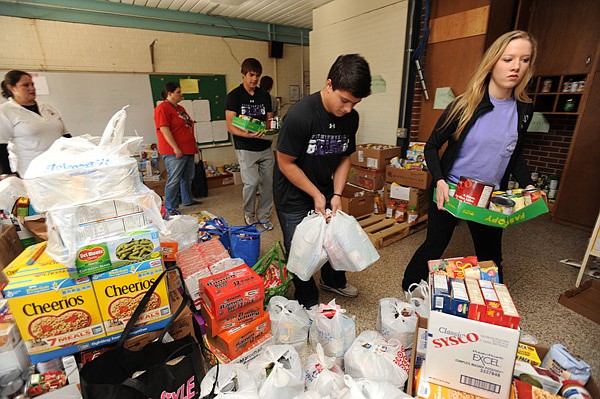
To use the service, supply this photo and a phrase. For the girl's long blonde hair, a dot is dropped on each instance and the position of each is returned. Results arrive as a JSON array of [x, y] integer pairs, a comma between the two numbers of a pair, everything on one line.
[[466, 104]]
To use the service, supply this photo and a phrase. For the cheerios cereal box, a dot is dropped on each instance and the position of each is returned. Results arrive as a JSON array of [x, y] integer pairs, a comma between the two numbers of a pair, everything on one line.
[[56, 315], [119, 292]]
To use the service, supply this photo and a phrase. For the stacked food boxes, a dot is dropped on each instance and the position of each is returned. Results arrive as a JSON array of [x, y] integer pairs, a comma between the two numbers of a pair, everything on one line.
[[472, 329], [407, 180], [232, 307]]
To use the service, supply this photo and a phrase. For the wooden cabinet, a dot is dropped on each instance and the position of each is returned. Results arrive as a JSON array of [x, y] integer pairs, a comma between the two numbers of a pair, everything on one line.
[[567, 34], [557, 94]]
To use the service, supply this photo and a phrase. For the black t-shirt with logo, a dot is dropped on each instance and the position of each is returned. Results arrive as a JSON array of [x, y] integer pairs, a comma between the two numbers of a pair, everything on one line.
[[319, 140], [257, 107]]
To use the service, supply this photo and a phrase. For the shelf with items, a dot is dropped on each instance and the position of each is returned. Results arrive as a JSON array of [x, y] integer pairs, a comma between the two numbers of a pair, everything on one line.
[[557, 94]]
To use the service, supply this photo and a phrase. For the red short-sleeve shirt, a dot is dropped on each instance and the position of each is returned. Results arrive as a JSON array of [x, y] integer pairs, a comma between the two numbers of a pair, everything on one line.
[[182, 129]]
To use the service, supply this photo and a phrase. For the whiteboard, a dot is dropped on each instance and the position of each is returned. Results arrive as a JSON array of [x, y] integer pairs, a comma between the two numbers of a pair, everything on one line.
[[87, 101]]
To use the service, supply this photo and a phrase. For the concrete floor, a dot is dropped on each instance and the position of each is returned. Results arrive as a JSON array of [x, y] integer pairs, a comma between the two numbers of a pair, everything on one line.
[[532, 251]]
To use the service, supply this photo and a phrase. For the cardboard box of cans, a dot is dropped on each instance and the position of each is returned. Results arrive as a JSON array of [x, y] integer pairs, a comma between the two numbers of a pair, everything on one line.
[[405, 177], [462, 210], [409, 195], [374, 156], [369, 179], [357, 201]]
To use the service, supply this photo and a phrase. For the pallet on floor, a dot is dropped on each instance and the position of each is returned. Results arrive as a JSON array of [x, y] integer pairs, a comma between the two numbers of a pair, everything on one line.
[[383, 232]]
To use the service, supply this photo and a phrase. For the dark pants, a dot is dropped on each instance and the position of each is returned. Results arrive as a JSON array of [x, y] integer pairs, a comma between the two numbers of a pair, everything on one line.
[[307, 293], [440, 226]]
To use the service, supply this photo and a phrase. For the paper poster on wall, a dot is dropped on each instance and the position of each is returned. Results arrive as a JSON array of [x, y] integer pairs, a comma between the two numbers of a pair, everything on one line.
[[443, 97], [294, 93], [203, 132], [201, 110], [189, 107], [378, 84], [41, 85], [189, 86], [219, 130], [538, 123]]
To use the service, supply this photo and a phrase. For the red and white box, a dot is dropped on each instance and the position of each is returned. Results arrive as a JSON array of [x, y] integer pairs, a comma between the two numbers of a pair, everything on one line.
[[238, 340], [227, 292], [244, 315], [493, 311], [477, 304], [510, 316]]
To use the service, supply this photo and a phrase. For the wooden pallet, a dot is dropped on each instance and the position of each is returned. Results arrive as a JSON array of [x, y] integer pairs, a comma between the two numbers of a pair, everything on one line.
[[383, 232]]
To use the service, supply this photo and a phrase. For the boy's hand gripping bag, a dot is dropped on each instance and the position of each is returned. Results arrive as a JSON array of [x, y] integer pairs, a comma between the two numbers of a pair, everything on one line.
[[228, 381], [307, 254], [373, 357], [348, 246], [156, 371], [321, 374], [278, 372], [397, 319], [84, 169], [289, 322]]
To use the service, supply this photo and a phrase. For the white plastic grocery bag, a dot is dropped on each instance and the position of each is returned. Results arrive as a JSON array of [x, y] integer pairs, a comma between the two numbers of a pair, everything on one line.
[[368, 389], [228, 381], [307, 254], [321, 374], [183, 229], [289, 322], [333, 329], [84, 169], [278, 372], [310, 395], [11, 189], [397, 319], [373, 357], [418, 296], [348, 246]]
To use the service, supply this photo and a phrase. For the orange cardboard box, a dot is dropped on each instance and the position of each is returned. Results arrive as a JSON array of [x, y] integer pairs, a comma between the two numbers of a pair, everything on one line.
[[227, 292], [246, 314], [238, 340]]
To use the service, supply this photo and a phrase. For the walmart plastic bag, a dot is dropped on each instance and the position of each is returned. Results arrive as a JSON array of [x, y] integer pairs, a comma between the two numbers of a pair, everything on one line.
[[228, 381], [368, 389], [348, 246], [321, 374], [84, 169], [278, 372], [289, 322], [333, 329], [373, 357], [397, 319], [307, 254]]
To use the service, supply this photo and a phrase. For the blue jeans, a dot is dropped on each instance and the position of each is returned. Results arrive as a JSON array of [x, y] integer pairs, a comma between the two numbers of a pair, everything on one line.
[[180, 173], [306, 291]]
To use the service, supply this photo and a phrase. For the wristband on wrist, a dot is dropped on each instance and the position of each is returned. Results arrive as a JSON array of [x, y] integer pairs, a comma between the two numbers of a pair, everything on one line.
[[339, 195]]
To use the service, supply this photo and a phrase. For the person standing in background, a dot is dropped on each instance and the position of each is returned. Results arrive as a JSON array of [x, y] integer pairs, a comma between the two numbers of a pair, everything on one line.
[[266, 83], [252, 149], [485, 131], [177, 146], [27, 127], [313, 160]]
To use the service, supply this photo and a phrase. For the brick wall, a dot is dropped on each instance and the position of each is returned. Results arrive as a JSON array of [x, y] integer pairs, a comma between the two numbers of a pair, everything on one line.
[[547, 152]]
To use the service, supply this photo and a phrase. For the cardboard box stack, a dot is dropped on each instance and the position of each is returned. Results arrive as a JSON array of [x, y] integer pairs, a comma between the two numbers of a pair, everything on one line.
[[367, 173], [407, 180]]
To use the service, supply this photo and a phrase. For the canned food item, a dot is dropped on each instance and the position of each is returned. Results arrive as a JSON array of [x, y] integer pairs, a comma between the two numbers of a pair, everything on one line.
[[546, 86], [572, 389], [502, 204], [518, 199], [531, 195], [499, 193], [473, 191]]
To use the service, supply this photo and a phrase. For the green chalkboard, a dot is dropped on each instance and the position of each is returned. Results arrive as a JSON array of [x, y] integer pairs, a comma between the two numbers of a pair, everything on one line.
[[210, 87]]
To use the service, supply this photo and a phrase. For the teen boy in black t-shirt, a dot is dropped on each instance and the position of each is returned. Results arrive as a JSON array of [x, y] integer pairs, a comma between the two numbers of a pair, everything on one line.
[[313, 159], [253, 151]]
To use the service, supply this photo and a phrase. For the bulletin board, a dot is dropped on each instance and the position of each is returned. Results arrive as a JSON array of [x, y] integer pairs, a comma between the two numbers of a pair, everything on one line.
[[198, 87]]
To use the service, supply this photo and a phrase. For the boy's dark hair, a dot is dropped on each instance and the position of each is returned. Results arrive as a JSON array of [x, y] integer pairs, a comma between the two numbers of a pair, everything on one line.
[[266, 83], [170, 87], [251, 65], [351, 72]]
